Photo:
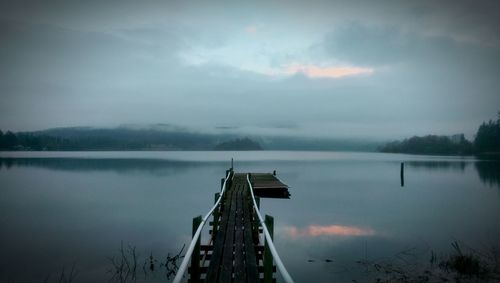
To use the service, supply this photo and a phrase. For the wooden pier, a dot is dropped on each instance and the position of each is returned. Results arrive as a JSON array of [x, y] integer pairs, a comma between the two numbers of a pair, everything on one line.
[[236, 251]]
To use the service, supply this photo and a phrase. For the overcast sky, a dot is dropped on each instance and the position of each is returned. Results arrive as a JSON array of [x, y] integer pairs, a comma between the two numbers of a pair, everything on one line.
[[381, 69]]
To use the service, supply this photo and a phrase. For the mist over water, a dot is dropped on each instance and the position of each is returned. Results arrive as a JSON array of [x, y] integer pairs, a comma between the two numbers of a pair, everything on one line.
[[60, 209]]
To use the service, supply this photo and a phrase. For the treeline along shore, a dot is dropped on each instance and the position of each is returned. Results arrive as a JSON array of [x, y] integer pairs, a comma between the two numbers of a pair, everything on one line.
[[486, 142], [160, 137], [121, 139]]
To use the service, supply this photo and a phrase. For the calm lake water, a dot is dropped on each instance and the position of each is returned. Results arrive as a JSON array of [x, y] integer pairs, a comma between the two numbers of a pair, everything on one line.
[[77, 208]]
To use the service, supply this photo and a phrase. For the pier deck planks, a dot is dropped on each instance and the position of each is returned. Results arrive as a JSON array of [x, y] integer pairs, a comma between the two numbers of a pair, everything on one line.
[[234, 258]]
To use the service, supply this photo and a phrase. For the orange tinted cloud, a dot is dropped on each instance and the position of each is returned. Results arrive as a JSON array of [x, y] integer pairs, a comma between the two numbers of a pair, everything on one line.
[[331, 230], [251, 29], [327, 72]]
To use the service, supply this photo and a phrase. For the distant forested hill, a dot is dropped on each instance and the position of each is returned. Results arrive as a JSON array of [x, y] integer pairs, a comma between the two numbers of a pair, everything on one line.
[[431, 144], [239, 144], [486, 141], [166, 137], [108, 139]]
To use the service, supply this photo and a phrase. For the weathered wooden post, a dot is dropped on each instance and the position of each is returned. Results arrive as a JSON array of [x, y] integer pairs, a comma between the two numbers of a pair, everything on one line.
[[232, 164], [195, 258], [402, 174], [215, 223], [268, 257], [256, 223]]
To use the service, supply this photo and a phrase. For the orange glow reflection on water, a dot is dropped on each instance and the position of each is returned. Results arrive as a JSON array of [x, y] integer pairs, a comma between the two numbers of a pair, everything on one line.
[[329, 230]]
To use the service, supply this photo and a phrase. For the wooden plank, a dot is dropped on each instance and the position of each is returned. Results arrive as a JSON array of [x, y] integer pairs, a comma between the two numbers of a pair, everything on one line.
[[215, 261], [195, 258], [206, 248], [227, 257], [266, 181], [268, 258], [268, 186], [234, 258], [239, 257], [215, 222], [252, 273], [272, 193]]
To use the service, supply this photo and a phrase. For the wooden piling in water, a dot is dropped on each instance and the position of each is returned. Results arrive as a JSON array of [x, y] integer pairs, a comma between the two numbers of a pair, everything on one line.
[[256, 223], [268, 257], [402, 173], [195, 259], [215, 223]]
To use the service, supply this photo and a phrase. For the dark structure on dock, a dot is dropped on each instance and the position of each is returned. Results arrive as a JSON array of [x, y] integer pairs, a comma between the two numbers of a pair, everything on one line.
[[236, 251]]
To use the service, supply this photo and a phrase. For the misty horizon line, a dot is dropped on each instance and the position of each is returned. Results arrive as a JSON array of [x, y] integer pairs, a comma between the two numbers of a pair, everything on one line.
[[237, 131]]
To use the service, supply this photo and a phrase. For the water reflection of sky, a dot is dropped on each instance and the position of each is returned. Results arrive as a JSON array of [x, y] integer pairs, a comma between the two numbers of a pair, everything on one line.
[[328, 230], [163, 162], [344, 207], [225, 156]]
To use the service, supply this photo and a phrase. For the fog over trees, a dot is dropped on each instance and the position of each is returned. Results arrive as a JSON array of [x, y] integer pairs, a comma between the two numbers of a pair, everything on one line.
[[486, 141], [170, 138], [161, 137]]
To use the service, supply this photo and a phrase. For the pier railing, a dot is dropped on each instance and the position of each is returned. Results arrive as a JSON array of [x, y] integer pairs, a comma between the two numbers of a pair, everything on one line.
[[185, 261], [267, 253], [279, 264]]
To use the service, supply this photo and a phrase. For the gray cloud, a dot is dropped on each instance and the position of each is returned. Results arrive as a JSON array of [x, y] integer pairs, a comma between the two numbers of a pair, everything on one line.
[[66, 63]]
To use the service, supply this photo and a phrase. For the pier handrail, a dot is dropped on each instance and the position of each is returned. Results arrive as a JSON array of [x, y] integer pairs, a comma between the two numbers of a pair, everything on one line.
[[279, 263], [189, 252]]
